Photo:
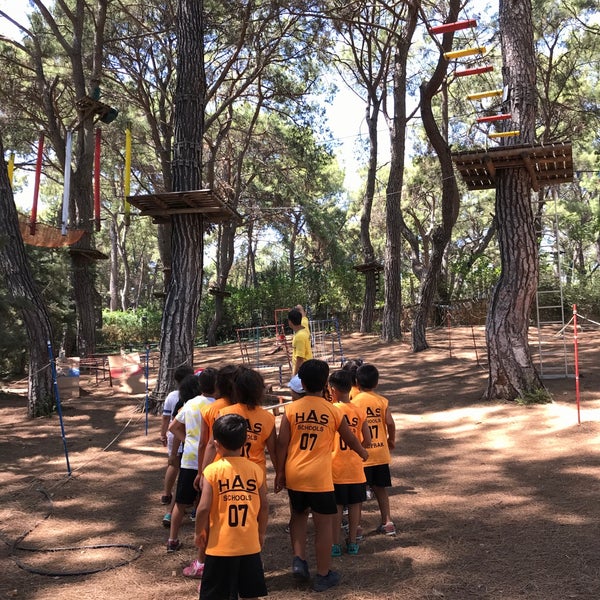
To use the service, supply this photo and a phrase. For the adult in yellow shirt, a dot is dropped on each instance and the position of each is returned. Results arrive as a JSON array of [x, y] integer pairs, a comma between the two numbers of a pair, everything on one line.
[[305, 322], [301, 350]]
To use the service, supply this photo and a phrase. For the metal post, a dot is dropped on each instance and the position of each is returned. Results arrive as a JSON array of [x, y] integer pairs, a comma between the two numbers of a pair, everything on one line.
[[58, 405]]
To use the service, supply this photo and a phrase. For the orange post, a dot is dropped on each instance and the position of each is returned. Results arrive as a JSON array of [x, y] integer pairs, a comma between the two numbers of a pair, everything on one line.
[[36, 187]]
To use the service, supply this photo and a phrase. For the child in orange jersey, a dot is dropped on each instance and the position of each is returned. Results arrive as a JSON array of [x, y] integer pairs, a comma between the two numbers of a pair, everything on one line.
[[224, 394], [231, 520], [249, 391], [383, 436], [351, 366], [304, 466], [348, 474]]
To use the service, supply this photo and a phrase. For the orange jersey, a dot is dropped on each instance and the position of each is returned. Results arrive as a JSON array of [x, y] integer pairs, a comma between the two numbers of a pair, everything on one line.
[[313, 423], [233, 528], [211, 412], [347, 466], [261, 423], [375, 406]]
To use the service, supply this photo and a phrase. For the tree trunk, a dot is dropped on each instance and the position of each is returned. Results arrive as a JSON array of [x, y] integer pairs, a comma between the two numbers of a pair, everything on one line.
[[24, 293], [225, 256], [511, 370], [394, 222], [180, 316], [369, 301], [366, 317], [450, 196]]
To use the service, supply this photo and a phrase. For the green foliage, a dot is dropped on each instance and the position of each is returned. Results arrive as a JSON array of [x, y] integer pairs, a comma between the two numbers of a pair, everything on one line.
[[538, 396], [129, 329]]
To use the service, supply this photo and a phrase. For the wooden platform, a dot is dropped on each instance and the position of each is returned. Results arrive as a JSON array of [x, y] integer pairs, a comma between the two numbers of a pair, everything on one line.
[[549, 164], [367, 267], [162, 206]]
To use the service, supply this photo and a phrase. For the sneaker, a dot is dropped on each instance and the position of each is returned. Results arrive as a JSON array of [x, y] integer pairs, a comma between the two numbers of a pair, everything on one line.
[[167, 520], [193, 515], [194, 570], [173, 545], [352, 549], [300, 569], [336, 550], [369, 493], [345, 526], [387, 528], [324, 582], [359, 534]]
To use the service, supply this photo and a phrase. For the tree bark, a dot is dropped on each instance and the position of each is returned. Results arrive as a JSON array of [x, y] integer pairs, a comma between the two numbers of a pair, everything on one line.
[[225, 256], [180, 316], [21, 287], [394, 221], [368, 310], [450, 196], [511, 370]]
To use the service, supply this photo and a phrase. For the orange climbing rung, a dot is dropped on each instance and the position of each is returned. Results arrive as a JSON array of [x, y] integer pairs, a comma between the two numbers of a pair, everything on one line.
[[503, 134], [493, 118], [446, 27], [464, 52], [474, 71]]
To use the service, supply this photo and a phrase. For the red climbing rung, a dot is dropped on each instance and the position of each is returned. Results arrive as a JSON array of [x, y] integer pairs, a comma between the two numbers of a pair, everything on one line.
[[446, 27], [474, 71], [493, 118]]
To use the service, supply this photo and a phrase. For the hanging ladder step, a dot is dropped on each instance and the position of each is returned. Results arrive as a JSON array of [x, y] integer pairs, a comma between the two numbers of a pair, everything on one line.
[[503, 134], [464, 52], [494, 118], [474, 71], [486, 94], [455, 26]]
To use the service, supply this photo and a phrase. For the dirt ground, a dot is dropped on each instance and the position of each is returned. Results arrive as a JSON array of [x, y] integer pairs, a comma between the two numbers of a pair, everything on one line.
[[491, 500]]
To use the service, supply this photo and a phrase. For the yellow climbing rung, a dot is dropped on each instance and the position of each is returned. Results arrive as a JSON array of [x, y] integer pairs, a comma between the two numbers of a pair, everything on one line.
[[503, 134], [465, 52], [487, 94]]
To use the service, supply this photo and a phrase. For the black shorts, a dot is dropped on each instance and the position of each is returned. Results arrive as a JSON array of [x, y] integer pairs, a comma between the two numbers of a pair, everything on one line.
[[350, 493], [378, 475], [226, 577], [320, 502], [185, 492]]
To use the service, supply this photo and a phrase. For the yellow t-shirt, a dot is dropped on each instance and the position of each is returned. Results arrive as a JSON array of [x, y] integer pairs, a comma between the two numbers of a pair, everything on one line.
[[305, 324], [233, 529], [261, 423], [347, 466], [313, 423], [375, 406], [301, 347]]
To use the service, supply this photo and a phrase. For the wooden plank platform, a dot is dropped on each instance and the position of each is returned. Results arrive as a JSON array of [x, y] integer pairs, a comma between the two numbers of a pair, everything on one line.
[[549, 164], [365, 268], [161, 206]]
